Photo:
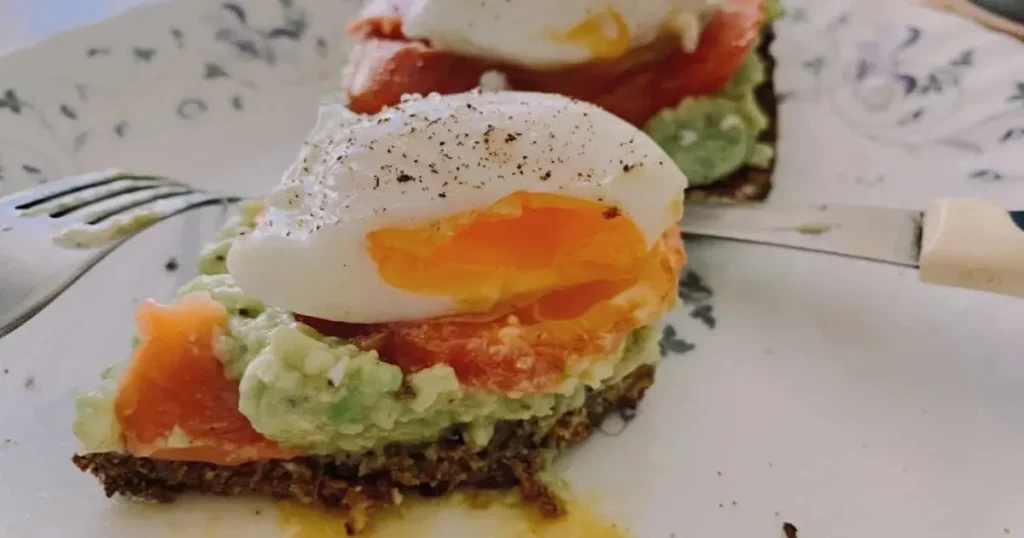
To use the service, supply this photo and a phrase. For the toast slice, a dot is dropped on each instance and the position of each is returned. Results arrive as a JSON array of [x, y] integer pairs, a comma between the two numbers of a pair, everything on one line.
[[361, 484]]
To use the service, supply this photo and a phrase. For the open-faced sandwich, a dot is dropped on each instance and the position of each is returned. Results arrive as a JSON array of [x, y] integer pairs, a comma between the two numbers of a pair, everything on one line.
[[693, 74], [443, 294]]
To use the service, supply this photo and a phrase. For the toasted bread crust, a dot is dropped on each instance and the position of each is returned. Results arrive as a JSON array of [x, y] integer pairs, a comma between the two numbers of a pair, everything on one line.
[[360, 484]]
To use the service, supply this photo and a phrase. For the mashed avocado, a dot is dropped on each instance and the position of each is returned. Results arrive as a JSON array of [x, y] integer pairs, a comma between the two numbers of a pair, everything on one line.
[[707, 137], [306, 390], [774, 10], [327, 396], [213, 259], [324, 398], [710, 137], [95, 425]]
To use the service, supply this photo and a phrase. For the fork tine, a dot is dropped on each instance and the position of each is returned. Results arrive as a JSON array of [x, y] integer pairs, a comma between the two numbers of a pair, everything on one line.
[[114, 193], [196, 199], [77, 206], [47, 192], [137, 203], [161, 206]]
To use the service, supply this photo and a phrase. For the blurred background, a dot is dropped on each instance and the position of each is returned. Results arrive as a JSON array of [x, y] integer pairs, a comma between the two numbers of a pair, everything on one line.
[[23, 22]]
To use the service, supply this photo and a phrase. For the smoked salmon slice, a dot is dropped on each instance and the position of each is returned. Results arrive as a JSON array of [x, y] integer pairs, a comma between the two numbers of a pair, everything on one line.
[[176, 387], [386, 69]]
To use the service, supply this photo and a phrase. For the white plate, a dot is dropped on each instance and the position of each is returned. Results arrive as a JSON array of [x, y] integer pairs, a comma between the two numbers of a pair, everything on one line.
[[842, 396]]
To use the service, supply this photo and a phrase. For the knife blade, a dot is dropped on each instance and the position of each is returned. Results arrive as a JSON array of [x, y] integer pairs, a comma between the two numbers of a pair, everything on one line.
[[886, 235], [963, 242]]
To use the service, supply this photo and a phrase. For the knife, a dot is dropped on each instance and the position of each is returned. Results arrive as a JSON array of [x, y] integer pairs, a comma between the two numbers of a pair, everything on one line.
[[961, 242]]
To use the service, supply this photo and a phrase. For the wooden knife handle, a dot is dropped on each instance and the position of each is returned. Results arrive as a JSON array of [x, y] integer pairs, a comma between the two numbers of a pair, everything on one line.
[[971, 243], [1000, 15]]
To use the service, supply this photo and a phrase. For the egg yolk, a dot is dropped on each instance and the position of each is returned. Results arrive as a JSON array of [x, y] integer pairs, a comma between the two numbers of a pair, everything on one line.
[[533, 347], [604, 35], [514, 251]]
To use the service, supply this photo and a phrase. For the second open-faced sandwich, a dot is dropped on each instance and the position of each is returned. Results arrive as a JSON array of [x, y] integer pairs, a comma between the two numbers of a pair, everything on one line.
[[693, 74], [443, 294]]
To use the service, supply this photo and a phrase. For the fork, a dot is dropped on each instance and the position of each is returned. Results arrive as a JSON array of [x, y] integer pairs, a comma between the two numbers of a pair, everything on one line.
[[52, 234]]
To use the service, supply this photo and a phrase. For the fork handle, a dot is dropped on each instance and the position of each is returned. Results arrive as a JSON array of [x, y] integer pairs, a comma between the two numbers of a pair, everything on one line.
[[972, 243]]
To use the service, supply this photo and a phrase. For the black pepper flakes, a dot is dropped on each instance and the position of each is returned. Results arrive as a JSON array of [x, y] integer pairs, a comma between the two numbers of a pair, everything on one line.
[[789, 530], [405, 178], [611, 212]]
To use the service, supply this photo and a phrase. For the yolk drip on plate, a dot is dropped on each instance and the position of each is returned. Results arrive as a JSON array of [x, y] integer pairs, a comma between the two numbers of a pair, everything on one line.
[[474, 513], [512, 251], [175, 383]]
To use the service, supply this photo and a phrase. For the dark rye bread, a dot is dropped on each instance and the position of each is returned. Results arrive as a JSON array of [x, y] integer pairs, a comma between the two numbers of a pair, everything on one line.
[[749, 184], [361, 484]]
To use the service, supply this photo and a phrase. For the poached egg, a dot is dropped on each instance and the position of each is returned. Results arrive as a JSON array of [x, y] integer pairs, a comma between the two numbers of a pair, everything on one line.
[[551, 33], [458, 205]]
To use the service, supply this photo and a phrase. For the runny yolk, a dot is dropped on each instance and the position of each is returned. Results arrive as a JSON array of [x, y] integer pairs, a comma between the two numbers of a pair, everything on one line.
[[515, 250], [604, 35]]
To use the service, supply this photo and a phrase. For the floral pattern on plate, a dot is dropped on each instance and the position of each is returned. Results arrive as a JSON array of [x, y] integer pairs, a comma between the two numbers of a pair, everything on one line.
[[200, 58]]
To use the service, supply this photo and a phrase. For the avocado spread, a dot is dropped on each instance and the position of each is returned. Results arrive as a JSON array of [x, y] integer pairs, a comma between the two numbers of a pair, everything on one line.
[[326, 396], [710, 137]]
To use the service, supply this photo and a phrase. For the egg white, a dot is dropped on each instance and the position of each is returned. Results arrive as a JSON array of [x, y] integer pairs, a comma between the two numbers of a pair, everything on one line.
[[426, 159], [528, 32]]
